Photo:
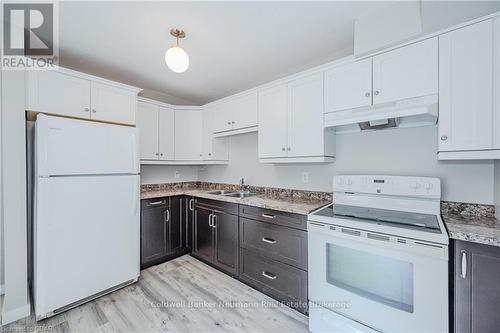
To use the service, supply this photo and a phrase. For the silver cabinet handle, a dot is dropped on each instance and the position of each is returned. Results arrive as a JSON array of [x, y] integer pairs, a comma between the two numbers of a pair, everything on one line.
[[367, 94], [229, 123], [444, 138], [376, 92], [191, 204], [167, 215], [268, 216], [86, 109], [463, 272], [268, 240], [268, 275], [157, 154], [289, 148], [94, 111], [283, 149], [157, 203], [233, 122], [214, 221], [210, 220]]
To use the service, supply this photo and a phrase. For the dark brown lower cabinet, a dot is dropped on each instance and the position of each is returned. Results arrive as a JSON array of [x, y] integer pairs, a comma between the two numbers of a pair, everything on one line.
[[187, 221], [161, 230], [477, 295], [215, 234]]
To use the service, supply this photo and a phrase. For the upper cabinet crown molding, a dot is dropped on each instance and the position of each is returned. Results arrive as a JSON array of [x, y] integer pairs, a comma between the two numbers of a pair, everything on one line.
[[70, 93], [469, 92]]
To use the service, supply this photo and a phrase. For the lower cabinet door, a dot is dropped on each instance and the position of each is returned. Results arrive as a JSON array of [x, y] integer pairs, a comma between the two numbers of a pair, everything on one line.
[[226, 242], [154, 230], [203, 234], [477, 296], [175, 225]]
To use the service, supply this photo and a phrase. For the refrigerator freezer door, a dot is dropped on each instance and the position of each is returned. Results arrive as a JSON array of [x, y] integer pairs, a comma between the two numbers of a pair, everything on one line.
[[78, 147], [86, 237]]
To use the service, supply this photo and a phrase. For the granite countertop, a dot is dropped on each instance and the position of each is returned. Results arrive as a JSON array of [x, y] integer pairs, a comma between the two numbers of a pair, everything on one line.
[[476, 229], [289, 205]]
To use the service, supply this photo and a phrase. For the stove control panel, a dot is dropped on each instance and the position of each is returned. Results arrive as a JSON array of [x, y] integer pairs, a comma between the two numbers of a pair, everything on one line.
[[388, 185]]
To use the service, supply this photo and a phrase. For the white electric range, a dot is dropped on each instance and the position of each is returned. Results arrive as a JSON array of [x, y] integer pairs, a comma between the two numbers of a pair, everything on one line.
[[378, 257]]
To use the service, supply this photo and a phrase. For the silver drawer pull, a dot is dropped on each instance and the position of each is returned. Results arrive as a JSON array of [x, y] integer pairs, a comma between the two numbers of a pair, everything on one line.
[[167, 216], [157, 203], [463, 273], [270, 276], [268, 240], [268, 216]]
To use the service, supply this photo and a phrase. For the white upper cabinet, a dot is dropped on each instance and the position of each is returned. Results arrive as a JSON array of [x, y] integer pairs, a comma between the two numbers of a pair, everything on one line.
[[305, 117], [213, 149], [236, 115], [273, 122], [55, 92], [188, 131], [406, 72], [110, 103], [147, 123], [166, 133], [69, 93], [348, 86], [469, 111], [291, 125]]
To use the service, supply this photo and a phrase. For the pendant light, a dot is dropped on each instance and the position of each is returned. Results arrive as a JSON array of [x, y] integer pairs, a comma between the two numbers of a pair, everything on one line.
[[176, 58]]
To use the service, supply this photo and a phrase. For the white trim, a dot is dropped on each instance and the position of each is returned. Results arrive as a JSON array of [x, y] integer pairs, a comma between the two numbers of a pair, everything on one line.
[[491, 154], [16, 314], [310, 159], [166, 105], [182, 162], [236, 131]]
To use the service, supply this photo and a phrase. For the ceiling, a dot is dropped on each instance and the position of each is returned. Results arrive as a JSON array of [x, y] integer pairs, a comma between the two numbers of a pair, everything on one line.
[[232, 46]]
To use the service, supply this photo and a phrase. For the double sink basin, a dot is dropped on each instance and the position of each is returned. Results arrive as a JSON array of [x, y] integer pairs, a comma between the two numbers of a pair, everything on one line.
[[233, 194]]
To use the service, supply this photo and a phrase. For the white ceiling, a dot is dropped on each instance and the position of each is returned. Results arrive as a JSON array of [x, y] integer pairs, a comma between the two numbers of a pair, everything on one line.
[[232, 46]]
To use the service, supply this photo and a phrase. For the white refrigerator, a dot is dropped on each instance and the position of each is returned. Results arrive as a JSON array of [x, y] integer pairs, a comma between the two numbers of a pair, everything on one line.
[[86, 229]]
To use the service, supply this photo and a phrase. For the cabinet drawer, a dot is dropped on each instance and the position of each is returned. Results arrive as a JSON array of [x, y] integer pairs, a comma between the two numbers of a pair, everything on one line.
[[274, 216], [277, 242], [283, 282], [222, 206], [155, 203]]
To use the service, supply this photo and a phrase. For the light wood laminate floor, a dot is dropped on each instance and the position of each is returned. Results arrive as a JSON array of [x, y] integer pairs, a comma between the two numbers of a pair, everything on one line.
[[183, 295]]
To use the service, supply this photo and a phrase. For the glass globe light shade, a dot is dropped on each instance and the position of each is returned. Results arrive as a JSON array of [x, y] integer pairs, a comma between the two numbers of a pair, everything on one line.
[[177, 59]]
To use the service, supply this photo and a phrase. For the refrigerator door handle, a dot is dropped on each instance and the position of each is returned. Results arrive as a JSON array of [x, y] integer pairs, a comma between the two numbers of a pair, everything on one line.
[[137, 198]]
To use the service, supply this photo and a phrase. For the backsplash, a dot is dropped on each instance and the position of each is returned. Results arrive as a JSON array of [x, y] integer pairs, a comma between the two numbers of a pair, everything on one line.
[[269, 192], [467, 209]]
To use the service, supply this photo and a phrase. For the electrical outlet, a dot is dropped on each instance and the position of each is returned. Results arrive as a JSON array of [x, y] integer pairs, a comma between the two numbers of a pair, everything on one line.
[[177, 174], [305, 177]]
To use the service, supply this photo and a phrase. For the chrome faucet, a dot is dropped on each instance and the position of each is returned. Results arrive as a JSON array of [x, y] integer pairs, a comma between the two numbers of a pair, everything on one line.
[[243, 187]]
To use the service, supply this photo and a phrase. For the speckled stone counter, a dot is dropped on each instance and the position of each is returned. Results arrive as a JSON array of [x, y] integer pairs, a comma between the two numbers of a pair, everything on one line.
[[285, 200], [471, 222]]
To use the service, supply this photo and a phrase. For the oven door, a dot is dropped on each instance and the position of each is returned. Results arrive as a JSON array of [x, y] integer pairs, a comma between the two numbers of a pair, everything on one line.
[[386, 283]]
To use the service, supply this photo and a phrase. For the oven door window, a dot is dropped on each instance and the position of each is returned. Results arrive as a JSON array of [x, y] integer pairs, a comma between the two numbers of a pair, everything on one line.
[[382, 279]]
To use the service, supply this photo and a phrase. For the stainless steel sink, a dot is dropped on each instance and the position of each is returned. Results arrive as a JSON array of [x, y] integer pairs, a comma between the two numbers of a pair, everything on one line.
[[220, 192], [240, 194]]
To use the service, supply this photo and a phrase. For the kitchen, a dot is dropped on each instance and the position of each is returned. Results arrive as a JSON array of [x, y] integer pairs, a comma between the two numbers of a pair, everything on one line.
[[226, 183]]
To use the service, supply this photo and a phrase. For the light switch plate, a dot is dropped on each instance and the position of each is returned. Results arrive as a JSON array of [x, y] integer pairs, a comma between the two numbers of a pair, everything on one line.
[[177, 174], [305, 177]]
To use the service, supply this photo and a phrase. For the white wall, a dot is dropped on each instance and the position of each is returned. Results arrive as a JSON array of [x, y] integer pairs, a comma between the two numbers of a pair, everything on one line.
[[410, 151], [155, 174], [16, 301]]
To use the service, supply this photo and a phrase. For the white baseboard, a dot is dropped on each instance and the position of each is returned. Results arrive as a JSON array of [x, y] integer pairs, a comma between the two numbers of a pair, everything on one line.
[[16, 314]]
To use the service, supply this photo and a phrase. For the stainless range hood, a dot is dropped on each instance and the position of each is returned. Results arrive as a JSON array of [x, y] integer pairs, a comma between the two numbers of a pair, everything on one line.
[[413, 112]]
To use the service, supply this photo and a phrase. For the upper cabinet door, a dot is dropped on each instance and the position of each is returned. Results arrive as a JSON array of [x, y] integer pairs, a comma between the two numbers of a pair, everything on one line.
[[147, 122], [273, 122], [223, 118], [166, 133], [305, 117], [212, 148], [110, 103], [188, 135], [58, 93], [407, 72], [245, 111], [466, 100], [348, 86]]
